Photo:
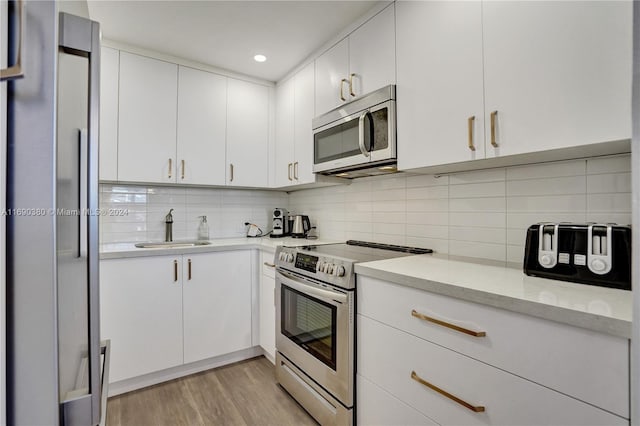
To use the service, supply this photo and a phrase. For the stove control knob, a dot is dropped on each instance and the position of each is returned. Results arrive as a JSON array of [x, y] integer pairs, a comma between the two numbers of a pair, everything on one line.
[[289, 258], [281, 257], [340, 271], [330, 268], [325, 267]]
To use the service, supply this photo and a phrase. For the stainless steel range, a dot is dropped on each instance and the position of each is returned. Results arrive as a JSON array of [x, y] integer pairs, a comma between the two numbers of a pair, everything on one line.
[[315, 316]]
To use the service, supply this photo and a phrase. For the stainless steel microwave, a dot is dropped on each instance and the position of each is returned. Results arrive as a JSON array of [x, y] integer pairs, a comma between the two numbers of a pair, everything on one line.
[[357, 138]]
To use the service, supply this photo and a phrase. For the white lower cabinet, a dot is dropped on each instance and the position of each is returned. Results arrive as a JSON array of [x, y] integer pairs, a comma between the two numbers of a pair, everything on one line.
[[216, 298], [268, 306], [520, 369], [410, 369], [385, 409], [165, 311], [141, 312]]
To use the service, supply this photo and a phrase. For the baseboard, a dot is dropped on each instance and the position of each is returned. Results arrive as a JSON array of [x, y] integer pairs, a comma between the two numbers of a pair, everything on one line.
[[135, 383]]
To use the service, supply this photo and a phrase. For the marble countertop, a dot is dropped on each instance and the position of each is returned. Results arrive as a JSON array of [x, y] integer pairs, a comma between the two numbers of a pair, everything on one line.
[[122, 250], [596, 308]]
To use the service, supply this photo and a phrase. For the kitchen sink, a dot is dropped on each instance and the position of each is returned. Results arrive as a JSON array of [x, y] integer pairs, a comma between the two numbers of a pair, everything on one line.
[[173, 244]]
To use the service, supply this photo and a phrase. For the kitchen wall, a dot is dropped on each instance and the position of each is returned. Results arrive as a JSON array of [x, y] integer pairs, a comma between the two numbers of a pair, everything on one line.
[[480, 214], [137, 213]]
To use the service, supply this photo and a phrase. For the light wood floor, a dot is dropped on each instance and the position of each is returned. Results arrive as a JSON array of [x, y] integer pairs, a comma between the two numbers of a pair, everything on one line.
[[244, 393]]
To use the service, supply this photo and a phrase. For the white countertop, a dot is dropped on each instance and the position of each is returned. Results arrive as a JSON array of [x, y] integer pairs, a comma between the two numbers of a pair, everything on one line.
[[121, 250], [596, 308]]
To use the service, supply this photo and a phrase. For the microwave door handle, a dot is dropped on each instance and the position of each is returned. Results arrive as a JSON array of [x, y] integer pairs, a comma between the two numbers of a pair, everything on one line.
[[363, 149]]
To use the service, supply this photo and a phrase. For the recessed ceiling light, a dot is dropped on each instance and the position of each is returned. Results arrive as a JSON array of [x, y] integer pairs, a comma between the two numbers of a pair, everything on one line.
[[260, 58]]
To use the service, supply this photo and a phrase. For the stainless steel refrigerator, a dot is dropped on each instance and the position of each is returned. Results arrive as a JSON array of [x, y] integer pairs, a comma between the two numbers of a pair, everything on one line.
[[54, 356]]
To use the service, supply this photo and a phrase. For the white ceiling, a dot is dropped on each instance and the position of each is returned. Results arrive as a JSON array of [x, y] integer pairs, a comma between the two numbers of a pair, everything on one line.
[[227, 34]]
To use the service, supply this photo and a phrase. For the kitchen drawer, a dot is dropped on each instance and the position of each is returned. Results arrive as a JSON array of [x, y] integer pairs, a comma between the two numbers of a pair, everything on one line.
[[389, 357], [382, 408], [572, 360]]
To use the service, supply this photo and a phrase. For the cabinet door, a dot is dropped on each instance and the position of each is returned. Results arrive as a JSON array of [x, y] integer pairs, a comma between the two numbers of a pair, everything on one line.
[[557, 73], [331, 68], [109, 71], [217, 303], [247, 134], [147, 119], [440, 84], [284, 133], [372, 54], [202, 118], [268, 306], [141, 312], [303, 132]]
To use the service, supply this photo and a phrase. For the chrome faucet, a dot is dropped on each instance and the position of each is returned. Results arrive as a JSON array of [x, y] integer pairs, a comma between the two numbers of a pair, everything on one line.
[[168, 230]]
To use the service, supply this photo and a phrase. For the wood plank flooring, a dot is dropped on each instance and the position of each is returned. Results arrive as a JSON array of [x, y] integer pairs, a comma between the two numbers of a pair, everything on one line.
[[244, 393]]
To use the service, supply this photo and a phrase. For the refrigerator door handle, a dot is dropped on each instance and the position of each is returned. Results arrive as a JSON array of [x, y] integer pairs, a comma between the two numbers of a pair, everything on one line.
[[16, 70], [84, 212], [80, 36]]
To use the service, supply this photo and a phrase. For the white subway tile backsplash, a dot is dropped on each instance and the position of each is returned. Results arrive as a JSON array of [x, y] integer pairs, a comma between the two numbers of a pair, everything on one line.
[[476, 176], [491, 204], [618, 203], [548, 203], [547, 186], [480, 235], [477, 190], [547, 170], [475, 249], [481, 214], [427, 180], [478, 219], [611, 164], [607, 183]]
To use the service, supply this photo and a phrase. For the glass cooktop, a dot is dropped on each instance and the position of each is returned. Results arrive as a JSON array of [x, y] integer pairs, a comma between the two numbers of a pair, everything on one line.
[[362, 251]]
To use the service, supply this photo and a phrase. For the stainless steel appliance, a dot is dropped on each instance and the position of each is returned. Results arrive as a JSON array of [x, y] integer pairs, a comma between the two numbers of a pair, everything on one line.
[[358, 138], [596, 254], [55, 364], [301, 225], [280, 223], [315, 330]]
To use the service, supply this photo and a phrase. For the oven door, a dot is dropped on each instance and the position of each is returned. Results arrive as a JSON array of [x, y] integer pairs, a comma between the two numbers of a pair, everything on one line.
[[314, 330], [368, 136]]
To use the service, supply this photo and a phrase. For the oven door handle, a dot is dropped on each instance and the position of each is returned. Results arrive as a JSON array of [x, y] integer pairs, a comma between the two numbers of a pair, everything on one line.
[[325, 295]]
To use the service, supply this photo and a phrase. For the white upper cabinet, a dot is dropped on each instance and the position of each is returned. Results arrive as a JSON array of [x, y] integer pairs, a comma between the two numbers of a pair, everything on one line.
[[303, 132], [109, 72], [359, 64], [332, 73], [294, 134], [284, 151], [440, 87], [147, 119], [247, 134], [372, 54], [202, 117], [558, 73], [535, 76]]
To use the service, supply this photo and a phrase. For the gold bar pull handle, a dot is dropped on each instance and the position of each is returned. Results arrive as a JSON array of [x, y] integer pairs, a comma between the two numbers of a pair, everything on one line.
[[231, 172], [493, 116], [417, 314], [182, 169], [170, 167], [470, 122], [175, 271], [189, 269], [351, 84], [270, 265], [295, 170], [289, 171], [342, 82], [474, 408]]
